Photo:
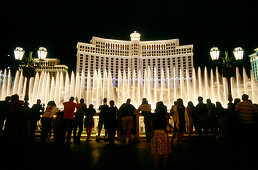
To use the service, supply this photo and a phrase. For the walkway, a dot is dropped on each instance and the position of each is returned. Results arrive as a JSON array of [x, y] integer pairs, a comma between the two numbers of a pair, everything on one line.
[[198, 153]]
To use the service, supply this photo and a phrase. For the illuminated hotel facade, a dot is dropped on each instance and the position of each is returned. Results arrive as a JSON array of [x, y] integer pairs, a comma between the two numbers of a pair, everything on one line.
[[134, 55], [254, 63]]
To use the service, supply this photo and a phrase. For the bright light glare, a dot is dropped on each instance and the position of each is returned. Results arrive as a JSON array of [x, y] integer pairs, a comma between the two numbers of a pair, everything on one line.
[[214, 53], [42, 53], [18, 53], [238, 53]]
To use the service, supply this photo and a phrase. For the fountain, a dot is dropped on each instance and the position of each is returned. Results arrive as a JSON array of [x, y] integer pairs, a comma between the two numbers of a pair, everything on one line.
[[95, 87]]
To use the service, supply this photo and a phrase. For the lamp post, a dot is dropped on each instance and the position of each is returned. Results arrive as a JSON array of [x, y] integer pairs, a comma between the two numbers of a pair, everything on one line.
[[228, 65], [28, 67]]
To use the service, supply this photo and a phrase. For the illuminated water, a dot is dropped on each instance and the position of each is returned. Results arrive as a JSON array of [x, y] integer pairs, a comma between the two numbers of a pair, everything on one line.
[[95, 87]]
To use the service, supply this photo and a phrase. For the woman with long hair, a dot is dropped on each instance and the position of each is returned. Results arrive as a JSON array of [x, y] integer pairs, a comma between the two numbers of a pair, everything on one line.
[[160, 144], [89, 122], [46, 120], [182, 121]]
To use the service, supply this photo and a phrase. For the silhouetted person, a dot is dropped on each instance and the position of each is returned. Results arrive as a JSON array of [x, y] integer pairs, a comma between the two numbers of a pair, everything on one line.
[[181, 119], [202, 116], [159, 141], [190, 114], [89, 122], [34, 117], [212, 120], [127, 110], [174, 114], [232, 119], [111, 121], [16, 124], [59, 128], [69, 108], [145, 109], [78, 121], [221, 115], [3, 111], [247, 128], [46, 120], [103, 111]]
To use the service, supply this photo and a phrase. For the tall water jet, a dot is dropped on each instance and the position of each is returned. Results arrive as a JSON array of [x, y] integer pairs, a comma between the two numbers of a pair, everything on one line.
[[16, 82], [162, 85], [181, 84], [72, 85], [88, 100], [175, 85], [134, 85], [212, 87], [244, 80], [67, 88], [9, 83], [199, 81], [128, 83], [155, 84], [238, 82], [149, 97], [168, 87], [218, 84], [119, 88], [194, 86], [206, 82], [4, 86]]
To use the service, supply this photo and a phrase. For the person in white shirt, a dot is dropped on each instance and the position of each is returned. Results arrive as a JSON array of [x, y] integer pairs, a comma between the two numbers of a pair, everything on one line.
[[46, 120]]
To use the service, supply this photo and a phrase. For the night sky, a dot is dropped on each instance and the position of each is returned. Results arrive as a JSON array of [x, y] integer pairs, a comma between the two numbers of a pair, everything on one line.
[[59, 25]]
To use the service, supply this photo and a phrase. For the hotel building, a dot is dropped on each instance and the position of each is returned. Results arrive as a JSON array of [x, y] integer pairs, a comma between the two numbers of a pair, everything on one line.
[[254, 63], [114, 55], [50, 65]]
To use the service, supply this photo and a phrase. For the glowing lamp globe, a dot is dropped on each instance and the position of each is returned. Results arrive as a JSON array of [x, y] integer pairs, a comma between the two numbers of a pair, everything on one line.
[[238, 53], [214, 52], [18, 53], [42, 53]]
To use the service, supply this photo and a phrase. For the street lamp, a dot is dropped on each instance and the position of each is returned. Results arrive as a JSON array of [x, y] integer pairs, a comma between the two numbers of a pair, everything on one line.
[[28, 67], [42, 53], [228, 65]]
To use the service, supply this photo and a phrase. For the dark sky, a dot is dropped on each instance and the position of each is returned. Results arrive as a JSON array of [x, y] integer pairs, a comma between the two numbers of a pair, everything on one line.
[[59, 25]]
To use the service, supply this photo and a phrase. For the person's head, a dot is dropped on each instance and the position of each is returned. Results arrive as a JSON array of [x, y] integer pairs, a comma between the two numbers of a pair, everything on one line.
[[91, 106], [245, 97], [144, 101], [38, 101], [180, 102], [81, 101], [237, 100], [208, 101], [105, 100], [160, 107], [7, 98], [51, 103], [190, 104], [111, 102], [15, 98], [71, 99], [218, 104], [175, 103], [200, 99], [128, 101], [159, 104]]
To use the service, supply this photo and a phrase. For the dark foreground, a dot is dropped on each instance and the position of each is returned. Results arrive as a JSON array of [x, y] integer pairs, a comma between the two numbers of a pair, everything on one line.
[[197, 153]]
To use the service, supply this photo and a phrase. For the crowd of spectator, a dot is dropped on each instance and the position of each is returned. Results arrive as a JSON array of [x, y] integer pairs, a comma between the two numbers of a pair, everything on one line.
[[19, 124]]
